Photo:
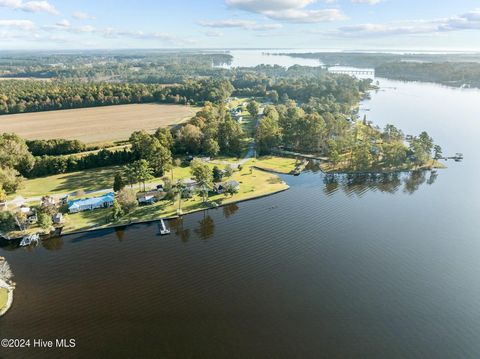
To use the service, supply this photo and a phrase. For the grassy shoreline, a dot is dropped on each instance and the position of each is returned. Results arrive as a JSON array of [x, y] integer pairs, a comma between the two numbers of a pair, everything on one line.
[[327, 167], [254, 185]]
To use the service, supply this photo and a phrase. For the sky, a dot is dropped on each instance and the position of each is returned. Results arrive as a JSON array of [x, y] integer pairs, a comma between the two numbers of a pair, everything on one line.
[[427, 25]]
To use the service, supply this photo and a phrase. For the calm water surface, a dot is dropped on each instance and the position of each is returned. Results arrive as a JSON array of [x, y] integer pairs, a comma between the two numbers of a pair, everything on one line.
[[335, 267]]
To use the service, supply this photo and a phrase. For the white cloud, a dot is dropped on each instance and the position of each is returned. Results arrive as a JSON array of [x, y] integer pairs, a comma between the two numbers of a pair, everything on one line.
[[304, 16], [63, 23], [80, 15], [25, 25], [243, 24], [268, 5], [369, 2], [467, 21], [288, 10], [30, 6], [213, 33]]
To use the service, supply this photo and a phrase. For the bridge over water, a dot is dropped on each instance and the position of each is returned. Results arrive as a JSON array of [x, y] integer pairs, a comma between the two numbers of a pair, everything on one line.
[[352, 71]]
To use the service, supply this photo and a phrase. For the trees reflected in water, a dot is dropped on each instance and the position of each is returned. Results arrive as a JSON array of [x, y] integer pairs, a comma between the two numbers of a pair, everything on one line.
[[177, 227], [206, 228], [229, 210], [358, 184]]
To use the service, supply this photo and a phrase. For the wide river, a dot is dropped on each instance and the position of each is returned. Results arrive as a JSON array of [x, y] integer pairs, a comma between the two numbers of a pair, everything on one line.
[[383, 267]]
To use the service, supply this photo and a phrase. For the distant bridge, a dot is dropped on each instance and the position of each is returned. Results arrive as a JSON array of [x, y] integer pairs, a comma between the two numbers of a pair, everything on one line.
[[353, 72]]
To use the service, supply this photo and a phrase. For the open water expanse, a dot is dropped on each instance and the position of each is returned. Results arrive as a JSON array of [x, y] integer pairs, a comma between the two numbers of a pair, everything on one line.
[[370, 266]]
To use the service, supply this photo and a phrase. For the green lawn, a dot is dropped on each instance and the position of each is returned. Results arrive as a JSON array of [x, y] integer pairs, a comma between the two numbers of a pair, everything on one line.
[[3, 298], [252, 185], [88, 180], [274, 163]]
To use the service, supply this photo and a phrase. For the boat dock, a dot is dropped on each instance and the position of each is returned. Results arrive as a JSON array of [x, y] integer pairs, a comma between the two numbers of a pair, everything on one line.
[[163, 228]]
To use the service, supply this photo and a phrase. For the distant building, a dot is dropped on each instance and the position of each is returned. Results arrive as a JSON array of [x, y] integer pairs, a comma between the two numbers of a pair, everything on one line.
[[81, 205], [3, 206]]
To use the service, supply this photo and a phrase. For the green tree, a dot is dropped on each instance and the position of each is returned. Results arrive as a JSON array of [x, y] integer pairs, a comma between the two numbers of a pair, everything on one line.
[[211, 147], [14, 153], [118, 183], [179, 188], [117, 210], [127, 199], [45, 220], [164, 136], [217, 174], [10, 179], [268, 135], [230, 135], [231, 190], [228, 171], [189, 139], [253, 108], [3, 194], [438, 153], [7, 221], [203, 175], [143, 171], [130, 174]]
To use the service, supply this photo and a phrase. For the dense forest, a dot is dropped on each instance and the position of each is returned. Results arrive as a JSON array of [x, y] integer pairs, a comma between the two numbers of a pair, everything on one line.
[[298, 83], [447, 73]]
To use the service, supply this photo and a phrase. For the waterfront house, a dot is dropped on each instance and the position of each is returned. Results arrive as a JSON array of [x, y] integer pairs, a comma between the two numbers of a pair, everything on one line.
[[222, 187], [30, 214], [190, 187], [146, 199], [81, 205], [150, 197]]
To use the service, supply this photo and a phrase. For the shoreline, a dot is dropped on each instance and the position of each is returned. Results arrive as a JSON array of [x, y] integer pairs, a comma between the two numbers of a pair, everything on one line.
[[117, 225]]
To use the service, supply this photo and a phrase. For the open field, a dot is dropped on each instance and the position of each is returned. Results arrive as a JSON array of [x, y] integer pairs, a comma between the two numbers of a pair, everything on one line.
[[88, 180], [95, 124]]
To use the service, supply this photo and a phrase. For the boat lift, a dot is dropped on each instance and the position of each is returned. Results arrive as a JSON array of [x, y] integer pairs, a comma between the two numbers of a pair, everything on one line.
[[29, 240]]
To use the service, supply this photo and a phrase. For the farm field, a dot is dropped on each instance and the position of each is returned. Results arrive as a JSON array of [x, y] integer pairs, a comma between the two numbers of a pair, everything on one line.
[[95, 124]]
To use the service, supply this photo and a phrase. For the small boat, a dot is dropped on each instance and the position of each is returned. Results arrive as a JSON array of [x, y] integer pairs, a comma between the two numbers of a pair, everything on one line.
[[29, 240], [163, 229]]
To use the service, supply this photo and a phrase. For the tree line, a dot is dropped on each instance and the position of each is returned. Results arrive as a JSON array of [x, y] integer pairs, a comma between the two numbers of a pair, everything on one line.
[[33, 96]]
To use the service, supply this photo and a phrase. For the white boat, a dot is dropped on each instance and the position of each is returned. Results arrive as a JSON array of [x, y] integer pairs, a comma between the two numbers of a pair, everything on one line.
[[30, 239], [163, 229]]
